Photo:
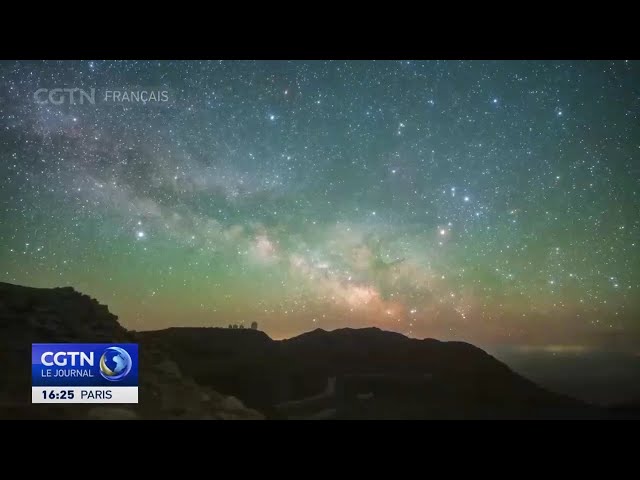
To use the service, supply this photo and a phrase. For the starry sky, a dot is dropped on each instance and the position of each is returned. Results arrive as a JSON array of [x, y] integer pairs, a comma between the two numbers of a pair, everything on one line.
[[494, 202]]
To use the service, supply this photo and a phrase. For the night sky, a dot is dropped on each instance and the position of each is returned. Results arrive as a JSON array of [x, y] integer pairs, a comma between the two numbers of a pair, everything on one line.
[[491, 202]]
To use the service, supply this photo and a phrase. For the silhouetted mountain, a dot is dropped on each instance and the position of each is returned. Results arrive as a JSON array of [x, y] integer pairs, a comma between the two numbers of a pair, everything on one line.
[[342, 374], [41, 315], [361, 373]]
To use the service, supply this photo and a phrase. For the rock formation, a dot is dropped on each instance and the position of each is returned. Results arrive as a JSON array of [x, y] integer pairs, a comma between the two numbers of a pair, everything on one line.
[[58, 315]]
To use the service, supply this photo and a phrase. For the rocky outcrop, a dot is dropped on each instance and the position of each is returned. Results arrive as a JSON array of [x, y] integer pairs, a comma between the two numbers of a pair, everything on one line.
[[58, 315]]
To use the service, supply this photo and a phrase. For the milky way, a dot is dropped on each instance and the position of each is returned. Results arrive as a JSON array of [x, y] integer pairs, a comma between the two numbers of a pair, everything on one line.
[[492, 202]]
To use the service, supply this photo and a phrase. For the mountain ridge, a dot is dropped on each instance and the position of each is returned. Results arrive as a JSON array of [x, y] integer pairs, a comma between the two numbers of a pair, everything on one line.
[[219, 373], [282, 371]]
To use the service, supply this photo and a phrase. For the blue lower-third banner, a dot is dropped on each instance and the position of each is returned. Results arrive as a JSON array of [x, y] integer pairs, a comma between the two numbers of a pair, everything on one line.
[[84, 373]]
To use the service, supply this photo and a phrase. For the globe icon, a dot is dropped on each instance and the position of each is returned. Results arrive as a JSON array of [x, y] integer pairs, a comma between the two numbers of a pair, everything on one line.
[[115, 364]]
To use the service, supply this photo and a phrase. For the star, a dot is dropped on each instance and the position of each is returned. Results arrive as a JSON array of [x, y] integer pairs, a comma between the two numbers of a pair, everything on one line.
[[438, 191]]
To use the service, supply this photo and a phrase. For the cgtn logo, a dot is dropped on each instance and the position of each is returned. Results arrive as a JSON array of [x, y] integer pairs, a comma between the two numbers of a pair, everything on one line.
[[60, 359], [58, 96], [84, 373]]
